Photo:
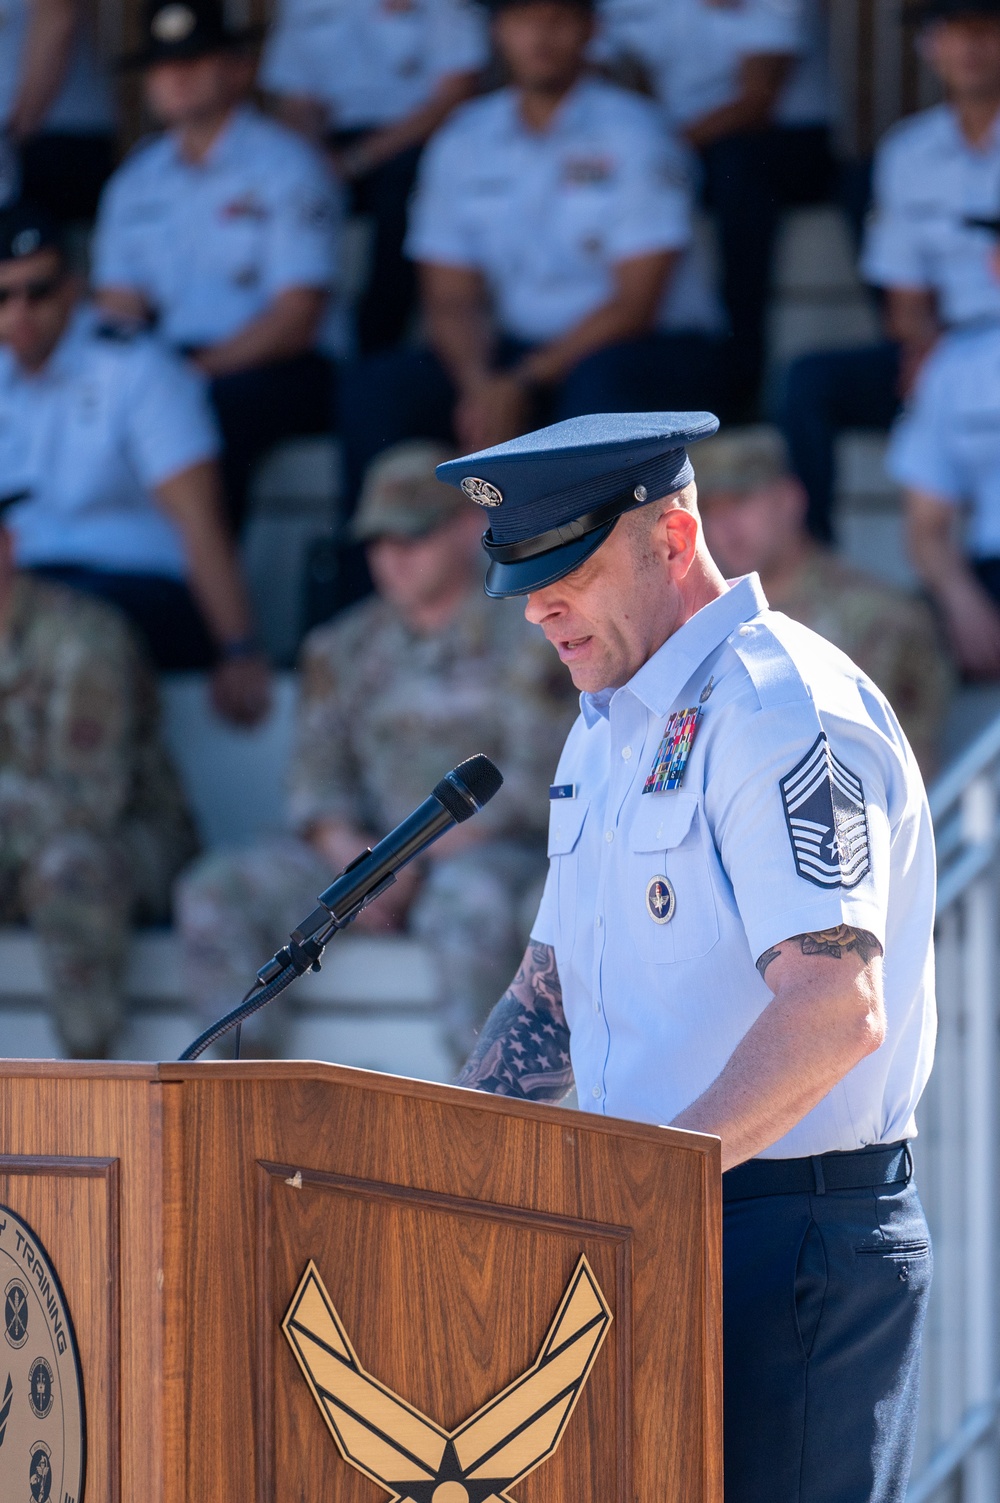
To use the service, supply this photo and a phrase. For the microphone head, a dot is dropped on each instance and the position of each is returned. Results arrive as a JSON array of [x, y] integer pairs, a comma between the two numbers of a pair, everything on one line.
[[465, 790]]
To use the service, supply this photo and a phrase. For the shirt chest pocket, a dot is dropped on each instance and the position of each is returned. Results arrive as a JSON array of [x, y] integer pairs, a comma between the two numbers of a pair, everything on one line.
[[566, 821], [667, 839]]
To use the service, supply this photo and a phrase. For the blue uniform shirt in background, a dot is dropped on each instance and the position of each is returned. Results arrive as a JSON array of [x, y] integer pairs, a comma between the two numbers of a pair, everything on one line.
[[90, 437], [789, 731]]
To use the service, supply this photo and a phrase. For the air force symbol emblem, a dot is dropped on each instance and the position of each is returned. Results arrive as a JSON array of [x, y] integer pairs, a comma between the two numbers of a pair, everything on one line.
[[409, 1455], [827, 819]]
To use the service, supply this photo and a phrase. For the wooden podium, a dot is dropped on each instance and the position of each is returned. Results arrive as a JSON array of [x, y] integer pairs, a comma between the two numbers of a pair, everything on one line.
[[260, 1258]]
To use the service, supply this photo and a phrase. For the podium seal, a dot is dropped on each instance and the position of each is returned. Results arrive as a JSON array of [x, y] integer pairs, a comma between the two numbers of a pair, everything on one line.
[[42, 1419]]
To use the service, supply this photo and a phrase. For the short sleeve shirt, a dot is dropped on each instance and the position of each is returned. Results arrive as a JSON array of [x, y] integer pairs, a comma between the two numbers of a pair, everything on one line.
[[947, 441], [210, 245], [800, 808], [89, 438], [928, 183], [694, 49], [371, 62], [544, 216]]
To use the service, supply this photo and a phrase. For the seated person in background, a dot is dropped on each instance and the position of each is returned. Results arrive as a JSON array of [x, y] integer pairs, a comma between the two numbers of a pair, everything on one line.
[[56, 106], [747, 86], [553, 233], [373, 80], [945, 450], [753, 509], [394, 694], [937, 174], [223, 230], [107, 445], [93, 825]]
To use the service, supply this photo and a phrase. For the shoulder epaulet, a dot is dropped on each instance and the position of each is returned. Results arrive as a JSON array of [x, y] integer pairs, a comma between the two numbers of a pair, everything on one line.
[[769, 665]]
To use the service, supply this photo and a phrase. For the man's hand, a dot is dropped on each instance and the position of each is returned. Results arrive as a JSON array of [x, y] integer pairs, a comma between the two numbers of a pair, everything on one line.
[[523, 1049], [973, 623], [827, 1015], [971, 617], [492, 411], [241, 689]]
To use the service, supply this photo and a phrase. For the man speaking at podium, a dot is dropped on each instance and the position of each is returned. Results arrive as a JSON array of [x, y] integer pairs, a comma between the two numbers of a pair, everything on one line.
[[735, 936]]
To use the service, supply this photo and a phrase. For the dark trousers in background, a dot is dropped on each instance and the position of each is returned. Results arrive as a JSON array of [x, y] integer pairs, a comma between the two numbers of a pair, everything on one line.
[[407, 393], [64, 173], [750, 178], [824, 394], [258, 408], [387, 301], [824, 1299], [162, 610]]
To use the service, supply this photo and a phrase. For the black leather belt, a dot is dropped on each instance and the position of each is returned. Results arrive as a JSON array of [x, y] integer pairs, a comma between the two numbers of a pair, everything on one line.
[[885, 1164]]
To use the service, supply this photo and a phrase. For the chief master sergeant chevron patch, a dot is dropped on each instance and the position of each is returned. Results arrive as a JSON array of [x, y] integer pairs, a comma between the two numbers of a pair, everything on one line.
[[827, 819]]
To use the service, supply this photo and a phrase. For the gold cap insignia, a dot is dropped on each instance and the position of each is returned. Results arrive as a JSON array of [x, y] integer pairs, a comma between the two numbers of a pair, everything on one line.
[[174, 23], [481, 491], [408, 1454]]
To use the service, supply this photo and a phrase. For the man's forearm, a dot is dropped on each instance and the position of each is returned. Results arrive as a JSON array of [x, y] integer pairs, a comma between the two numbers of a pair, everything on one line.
[[285, 329], [462, 338], [523, 1049]]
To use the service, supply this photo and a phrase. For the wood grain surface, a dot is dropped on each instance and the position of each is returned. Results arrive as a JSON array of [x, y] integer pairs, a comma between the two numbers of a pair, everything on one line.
[[445, 1226]]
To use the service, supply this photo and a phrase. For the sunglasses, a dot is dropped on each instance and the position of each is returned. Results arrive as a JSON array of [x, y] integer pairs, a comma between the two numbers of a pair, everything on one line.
[[38, 291]]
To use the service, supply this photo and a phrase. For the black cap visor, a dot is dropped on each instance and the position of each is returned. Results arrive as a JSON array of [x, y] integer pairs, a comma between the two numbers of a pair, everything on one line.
[[521, 576]]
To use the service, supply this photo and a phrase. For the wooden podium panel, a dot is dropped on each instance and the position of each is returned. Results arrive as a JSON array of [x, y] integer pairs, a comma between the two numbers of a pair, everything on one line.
[[445, 1227]]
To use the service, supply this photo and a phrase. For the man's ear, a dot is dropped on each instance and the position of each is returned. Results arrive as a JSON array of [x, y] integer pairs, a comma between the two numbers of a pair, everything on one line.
[[674, 539]]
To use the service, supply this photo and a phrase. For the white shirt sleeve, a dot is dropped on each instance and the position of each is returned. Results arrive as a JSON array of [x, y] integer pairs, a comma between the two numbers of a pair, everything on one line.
[[437, 233], [768, 799], [304, 233], [891, 255], [921, 454], [170, 423], [114, 259], [653, 205]]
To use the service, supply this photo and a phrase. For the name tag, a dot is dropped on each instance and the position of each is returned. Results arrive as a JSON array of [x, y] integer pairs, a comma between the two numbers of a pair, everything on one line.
[[562, 790]]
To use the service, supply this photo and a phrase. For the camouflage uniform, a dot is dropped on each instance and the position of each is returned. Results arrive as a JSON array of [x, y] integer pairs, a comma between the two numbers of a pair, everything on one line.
[[93, 824], [889, 634], [384, 713]]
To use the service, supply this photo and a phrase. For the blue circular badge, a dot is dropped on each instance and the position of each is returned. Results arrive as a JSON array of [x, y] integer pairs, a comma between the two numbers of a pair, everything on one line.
[[661, 900]]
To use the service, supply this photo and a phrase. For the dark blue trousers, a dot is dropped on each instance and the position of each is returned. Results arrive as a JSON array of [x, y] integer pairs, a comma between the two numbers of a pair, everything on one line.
[[824, 1300]]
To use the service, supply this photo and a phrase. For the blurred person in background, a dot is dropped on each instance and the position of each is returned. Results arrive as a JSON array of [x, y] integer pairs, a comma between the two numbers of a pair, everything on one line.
[[108, 450], [937, 178], [747, 86], [945, 451], [395, 693], [56, 108], [93, 825], [552, 230], [753, 510], [224, 231], [371, 80]]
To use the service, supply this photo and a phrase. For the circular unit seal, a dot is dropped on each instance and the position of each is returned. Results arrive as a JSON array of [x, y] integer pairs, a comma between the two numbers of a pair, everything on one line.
[[42, 1419]]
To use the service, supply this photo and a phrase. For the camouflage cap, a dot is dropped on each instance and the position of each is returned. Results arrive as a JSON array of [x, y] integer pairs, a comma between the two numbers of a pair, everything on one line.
[[402, 496], [741, 459]]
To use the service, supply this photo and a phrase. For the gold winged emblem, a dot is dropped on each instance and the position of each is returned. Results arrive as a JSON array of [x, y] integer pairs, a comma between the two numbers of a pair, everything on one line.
[[408, 1454]]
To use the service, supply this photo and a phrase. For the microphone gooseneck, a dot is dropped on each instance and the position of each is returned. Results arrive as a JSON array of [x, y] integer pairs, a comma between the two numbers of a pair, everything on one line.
[[460, 794]]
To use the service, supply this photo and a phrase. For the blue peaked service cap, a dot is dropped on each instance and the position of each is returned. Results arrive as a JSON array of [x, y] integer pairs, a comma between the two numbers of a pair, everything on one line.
[[553, 496]]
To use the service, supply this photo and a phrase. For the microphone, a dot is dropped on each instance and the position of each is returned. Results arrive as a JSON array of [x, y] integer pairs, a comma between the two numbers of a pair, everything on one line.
[[460, 794]]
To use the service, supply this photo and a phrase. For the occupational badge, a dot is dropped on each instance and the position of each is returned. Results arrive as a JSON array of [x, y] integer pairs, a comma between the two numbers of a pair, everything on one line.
[[827, 819], [42, 1422], [661, 900], [672, 754], [481, 491], [411, 1456]]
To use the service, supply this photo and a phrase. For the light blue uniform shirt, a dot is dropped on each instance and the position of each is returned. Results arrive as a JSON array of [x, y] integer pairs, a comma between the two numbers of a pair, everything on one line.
[[928, 181], [694, 50], [774, 832], [211, 245], [545, 215], [89, 437], [948, 440], [368, 61]]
